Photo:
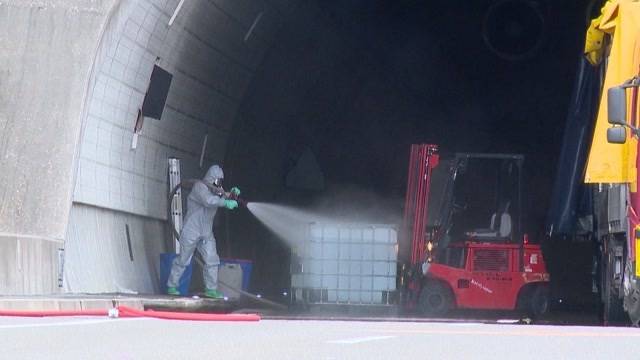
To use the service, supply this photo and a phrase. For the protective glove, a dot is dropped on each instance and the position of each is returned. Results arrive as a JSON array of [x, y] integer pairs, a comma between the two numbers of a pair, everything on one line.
[[230, 204], [235, 191]]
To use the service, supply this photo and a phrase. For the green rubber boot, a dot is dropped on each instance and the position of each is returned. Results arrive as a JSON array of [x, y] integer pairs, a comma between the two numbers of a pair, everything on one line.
[[173, 291], [213, 294]]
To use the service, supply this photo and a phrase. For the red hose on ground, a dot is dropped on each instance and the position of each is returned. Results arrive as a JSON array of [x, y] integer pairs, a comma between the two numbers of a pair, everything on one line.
[[125, 311]]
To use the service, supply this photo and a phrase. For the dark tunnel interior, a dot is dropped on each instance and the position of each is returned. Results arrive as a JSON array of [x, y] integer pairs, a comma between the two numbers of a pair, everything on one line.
[[366, 79]]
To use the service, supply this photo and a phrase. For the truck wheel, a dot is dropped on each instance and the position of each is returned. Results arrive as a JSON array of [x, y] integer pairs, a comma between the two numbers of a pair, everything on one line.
[[539, 302], [612, 309], [632, 303], [435, 299], [632, 296]]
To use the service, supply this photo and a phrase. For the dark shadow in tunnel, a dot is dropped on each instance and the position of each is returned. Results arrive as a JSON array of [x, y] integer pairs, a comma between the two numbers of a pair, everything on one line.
[[358, 83]]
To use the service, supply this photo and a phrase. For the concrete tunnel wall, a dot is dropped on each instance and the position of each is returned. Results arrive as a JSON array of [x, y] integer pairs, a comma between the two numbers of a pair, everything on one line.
[[72, 81], [46, 59]]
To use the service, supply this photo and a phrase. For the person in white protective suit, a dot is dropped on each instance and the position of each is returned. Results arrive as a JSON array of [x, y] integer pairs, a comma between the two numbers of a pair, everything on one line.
[[202, 204]]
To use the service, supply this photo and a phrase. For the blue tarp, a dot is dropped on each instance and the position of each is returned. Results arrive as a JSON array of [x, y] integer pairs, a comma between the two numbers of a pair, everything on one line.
[[570, 196]]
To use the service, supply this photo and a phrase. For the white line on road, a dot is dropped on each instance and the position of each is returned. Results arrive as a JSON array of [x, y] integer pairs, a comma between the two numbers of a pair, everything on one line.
[[359, 340], [66, 323]]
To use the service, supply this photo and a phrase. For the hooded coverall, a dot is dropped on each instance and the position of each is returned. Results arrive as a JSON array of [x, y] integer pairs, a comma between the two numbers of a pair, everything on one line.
[[197, 232]]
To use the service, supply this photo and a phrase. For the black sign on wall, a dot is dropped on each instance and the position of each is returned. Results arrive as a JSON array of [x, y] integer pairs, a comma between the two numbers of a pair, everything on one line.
[[156, 96]]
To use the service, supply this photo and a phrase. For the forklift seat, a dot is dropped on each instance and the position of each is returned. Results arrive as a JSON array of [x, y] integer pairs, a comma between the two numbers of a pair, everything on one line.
[[499, 229]]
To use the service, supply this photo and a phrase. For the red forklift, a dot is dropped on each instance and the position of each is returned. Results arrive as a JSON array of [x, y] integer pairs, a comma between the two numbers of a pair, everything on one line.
[[464, 221]]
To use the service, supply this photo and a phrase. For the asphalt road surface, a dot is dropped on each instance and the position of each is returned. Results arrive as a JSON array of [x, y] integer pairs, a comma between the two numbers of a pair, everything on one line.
[[103, 338]]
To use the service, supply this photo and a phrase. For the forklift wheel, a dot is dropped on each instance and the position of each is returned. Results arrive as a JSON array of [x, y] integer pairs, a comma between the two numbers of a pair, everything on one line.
[[435, 299], [539, 303]]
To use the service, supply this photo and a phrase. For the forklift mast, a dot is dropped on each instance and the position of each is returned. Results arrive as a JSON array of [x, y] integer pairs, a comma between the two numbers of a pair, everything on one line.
[[423, 159]]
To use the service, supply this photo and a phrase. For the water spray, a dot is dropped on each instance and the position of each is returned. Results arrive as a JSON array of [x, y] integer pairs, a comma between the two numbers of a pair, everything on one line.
[[219, 191]]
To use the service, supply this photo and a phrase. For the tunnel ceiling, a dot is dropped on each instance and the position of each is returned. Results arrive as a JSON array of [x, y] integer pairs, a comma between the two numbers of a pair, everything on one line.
[[359, 81]]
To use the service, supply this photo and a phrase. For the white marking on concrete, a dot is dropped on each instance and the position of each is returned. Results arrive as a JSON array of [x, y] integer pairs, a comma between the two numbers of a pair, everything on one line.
[[33, 237], [19, 254], [204, 149], [134, 141], [175, 12], [67, 323], [359, 340], [253, 26]]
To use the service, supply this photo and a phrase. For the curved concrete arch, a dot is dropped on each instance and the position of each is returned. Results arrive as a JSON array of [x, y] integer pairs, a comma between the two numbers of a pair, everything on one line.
[[48, 51], [118, 195], [212, 50]]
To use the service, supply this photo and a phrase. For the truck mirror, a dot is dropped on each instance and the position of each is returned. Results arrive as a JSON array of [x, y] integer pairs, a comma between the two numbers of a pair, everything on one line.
[[617, 105], [617, 135]]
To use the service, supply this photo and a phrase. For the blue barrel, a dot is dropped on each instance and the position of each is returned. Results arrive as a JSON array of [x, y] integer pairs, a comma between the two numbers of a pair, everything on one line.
[[166, 259], [246, 266]]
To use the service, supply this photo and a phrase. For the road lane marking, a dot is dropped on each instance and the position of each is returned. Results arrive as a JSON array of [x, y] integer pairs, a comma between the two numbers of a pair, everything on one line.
[[359, 340], [511, 333], [66, 323]]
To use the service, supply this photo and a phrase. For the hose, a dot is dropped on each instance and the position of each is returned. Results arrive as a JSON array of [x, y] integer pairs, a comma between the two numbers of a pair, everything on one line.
[[189, 183], [127, 312]]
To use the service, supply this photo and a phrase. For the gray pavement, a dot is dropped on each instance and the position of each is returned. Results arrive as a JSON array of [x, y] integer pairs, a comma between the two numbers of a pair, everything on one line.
[[103, 338]]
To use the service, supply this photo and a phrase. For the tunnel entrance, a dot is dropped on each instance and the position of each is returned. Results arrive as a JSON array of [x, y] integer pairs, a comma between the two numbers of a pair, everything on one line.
[[365, 80], [306, 104]]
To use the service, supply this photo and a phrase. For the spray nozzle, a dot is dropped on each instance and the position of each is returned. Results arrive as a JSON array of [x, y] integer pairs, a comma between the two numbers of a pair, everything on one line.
[[233, 196]]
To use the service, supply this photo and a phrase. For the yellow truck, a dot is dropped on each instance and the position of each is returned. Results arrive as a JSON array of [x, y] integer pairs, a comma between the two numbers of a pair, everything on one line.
[[613, 42]]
